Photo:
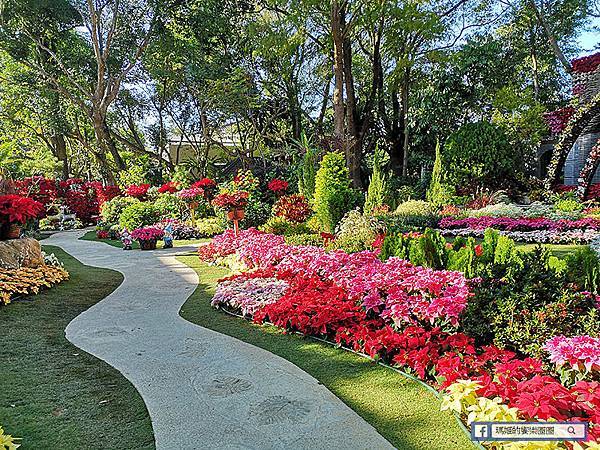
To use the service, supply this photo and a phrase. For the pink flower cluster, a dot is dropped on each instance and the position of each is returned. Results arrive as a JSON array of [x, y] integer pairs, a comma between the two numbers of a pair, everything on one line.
[[575, 351], [519, 224], [147, 234], [395, 289]]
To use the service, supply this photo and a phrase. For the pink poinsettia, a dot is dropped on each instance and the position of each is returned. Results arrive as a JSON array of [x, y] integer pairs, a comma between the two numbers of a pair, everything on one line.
[[575, 351]]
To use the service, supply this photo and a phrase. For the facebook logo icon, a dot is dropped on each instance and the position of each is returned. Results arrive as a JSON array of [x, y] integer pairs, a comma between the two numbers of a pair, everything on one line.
[[480, 431]]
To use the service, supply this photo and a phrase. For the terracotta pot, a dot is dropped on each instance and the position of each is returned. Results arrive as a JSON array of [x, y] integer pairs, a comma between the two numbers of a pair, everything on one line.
[[14, 231], [236, 214], [148, 244]]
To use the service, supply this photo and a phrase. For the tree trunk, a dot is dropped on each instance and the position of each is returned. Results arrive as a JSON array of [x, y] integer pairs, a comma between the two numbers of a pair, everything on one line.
[[60, 148], [405, 97], [105, 141], [354, 140], [338, 72]]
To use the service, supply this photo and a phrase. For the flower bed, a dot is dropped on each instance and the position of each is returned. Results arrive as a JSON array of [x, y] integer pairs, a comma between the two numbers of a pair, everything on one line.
[[519, 224], [533, 237], [405, 315], [28, 281]]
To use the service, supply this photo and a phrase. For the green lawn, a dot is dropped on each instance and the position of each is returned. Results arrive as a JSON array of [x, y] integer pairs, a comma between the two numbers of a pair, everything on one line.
[[54, 395], [400, 409], [91, 236], [560, 251]]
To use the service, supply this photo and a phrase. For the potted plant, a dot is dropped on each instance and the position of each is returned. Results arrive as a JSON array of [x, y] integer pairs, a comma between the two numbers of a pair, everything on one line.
[[234, 203], [192, 197], [15, 211], [147, 237]]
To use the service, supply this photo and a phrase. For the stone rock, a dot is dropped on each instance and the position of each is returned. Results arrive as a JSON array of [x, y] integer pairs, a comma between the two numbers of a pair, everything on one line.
[[17, 253]]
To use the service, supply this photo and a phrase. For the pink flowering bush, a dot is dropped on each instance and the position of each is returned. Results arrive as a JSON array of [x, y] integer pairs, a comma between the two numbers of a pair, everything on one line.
[[147, 234], [577, 352], [395, 289]]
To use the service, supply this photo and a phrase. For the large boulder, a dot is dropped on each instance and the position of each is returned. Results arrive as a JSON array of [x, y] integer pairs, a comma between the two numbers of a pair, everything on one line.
[[17, 253]]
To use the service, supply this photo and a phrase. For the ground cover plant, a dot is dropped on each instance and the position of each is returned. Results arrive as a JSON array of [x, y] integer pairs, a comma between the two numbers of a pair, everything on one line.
[[53, 394]]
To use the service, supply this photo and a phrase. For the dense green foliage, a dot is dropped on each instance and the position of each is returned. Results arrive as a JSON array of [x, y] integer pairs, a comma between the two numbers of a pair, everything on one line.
[[138, 215], [169, 206], [112, 209], [333, 194], [479, 155]]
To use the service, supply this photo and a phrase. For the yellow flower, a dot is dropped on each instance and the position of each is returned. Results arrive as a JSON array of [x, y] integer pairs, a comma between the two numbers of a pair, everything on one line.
[[461, 395], [7, 442]]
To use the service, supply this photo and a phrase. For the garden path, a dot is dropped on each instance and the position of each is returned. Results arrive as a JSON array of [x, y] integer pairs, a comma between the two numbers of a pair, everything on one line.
[[203, 389]]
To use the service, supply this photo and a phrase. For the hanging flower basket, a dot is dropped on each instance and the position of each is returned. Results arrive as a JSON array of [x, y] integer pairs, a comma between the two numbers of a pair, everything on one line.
[[148, 244], [236, 214]]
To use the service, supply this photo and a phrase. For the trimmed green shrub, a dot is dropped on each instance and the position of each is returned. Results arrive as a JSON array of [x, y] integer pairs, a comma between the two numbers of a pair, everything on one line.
[[438, 193], [307, 171], [169, 206], [479, 155], [305, 239], [377, 193], [138, 215], [112, 209], [416, 213], [333, 195], [355, 233], [210, 226]]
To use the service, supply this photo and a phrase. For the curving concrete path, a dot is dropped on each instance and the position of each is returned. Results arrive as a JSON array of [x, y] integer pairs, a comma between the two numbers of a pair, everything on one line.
[[203, 389]]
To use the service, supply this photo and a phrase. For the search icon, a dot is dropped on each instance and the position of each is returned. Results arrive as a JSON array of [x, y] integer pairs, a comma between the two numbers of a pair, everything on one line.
[[571, 430]]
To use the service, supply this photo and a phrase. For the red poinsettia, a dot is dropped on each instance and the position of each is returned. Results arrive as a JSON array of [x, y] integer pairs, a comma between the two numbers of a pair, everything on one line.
[[230, 201], [278, 186], [17, 209], [205, 183], [137, 190], [171, 187]]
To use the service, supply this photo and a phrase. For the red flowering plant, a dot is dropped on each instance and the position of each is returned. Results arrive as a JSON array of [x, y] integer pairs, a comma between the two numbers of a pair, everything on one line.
[[233, 200], [43, 190], [18, 209], [205, 183], [137, 190], [106, 193], [294, 208], [169, 188], [558, 120], [208, 186], [147, 234], [277, 186], [586, 64]]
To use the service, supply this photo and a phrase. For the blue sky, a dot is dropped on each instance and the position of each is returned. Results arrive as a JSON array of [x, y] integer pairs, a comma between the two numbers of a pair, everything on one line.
[[590, 39]]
